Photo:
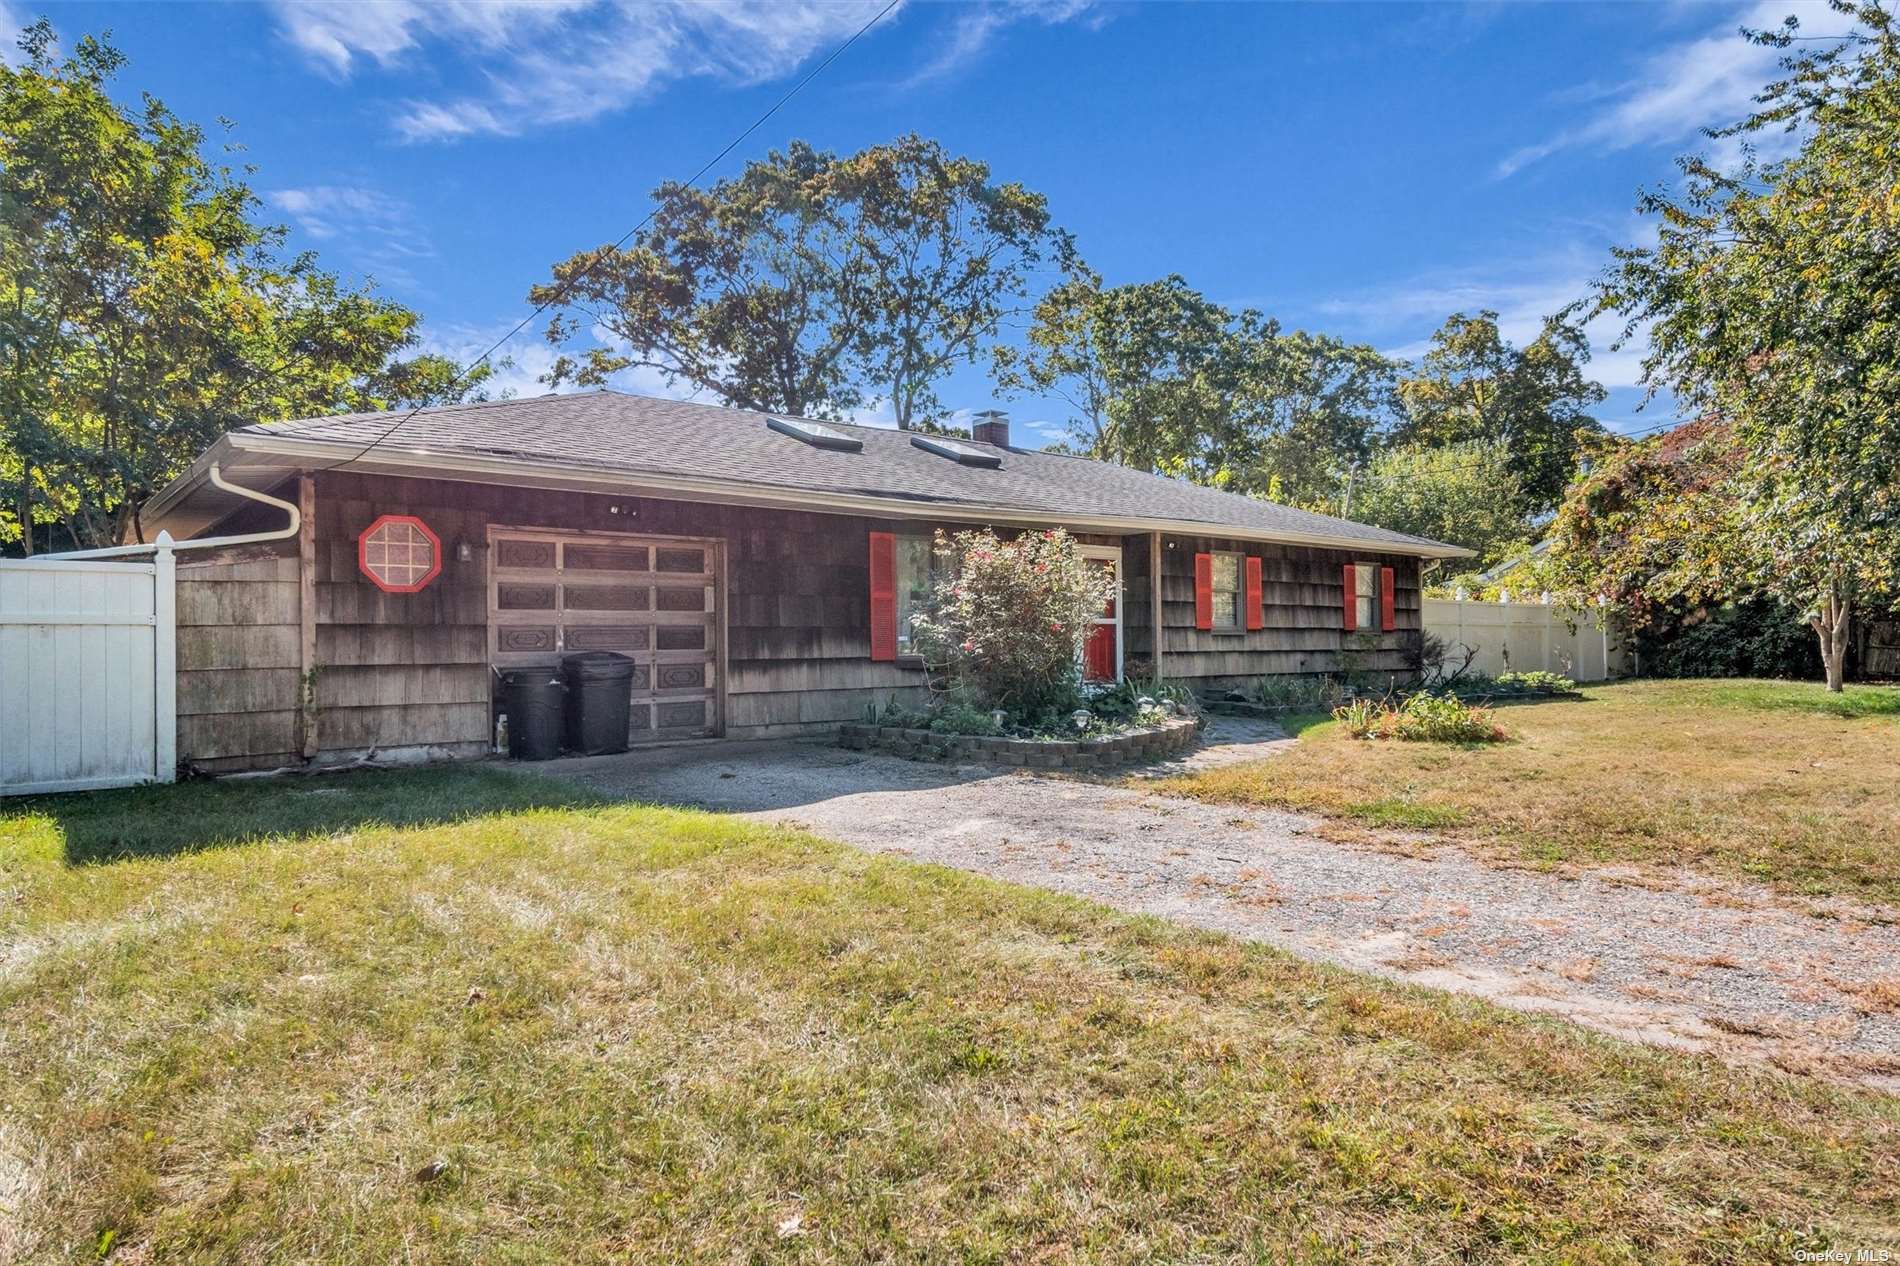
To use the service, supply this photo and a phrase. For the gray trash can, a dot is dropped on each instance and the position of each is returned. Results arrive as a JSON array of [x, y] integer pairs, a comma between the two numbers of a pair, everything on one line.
[[599, 700]]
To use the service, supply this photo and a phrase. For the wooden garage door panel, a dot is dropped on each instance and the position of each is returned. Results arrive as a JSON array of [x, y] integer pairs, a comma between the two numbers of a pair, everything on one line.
[[625, 638], [607, 558], [528, 555], [621, 597], [653, 599]]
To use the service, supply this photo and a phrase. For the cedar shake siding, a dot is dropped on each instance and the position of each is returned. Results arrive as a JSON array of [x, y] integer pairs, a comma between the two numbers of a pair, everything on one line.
[[733, 559], [1302, 609], [412, 672]]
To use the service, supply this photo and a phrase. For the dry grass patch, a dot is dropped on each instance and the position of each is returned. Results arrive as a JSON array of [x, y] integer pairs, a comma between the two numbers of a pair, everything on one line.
[[1774, 781], [438, 1028]]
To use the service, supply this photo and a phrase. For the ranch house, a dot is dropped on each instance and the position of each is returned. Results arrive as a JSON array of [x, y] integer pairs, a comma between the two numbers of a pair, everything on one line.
[[760, 570]]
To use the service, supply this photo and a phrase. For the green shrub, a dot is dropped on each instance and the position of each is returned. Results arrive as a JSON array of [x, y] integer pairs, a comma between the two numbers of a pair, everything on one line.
[[1294, 693], [1754, 638], [1360, 716], [959, 717], [1130, 698], [1537, 682], [1504, 685], [1423, 718], [893, 713]]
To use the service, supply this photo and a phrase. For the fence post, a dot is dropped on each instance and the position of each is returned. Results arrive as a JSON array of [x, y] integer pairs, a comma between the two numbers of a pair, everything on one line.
[[165, 660]]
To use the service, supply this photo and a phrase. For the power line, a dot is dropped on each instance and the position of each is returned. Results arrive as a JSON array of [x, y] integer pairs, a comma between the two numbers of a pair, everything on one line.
[[567, 286]]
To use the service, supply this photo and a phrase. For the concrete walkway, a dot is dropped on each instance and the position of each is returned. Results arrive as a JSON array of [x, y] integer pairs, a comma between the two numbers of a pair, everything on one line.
[[1690, 962]]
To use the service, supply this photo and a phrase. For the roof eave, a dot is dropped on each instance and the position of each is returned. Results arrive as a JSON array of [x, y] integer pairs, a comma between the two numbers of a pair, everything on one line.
[[466, 467]]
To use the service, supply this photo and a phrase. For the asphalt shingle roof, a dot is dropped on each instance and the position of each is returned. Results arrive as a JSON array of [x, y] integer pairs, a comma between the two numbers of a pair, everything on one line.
[[612, 431]]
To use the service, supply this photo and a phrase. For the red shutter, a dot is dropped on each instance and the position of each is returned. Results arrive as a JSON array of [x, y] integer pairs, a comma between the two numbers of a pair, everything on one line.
[[1256, 615], [883, 596], [1352, 601], [1203, 591], [1388, 599]]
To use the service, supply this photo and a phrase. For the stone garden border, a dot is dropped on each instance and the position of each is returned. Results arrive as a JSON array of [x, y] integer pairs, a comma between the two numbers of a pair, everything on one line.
[[1174, 735]]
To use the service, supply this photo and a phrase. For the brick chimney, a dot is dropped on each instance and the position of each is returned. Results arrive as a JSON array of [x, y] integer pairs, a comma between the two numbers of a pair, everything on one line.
[[990, 427]]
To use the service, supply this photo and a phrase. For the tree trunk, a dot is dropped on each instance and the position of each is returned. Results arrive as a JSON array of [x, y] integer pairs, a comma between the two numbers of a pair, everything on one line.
[[26, 509], [1831, 627]]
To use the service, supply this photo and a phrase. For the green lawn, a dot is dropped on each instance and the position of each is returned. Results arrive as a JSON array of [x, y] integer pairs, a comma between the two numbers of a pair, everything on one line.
[[1774, 781], [458, 1016]]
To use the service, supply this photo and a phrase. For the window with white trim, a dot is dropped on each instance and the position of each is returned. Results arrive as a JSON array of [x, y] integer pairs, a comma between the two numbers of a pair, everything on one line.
[[1365, 583], [1226, 592], [916, 570]]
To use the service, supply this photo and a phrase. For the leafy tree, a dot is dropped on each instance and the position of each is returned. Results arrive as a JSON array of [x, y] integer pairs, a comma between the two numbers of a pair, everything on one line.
[[1465, 493], [810, 283], [1144, 367], [742, 289], [1472, 385], [1065, 355], [1159, 377], [1312, 408], [1651, 526], [1771, 305], [1655, 528], [143, 311], [943, 255]]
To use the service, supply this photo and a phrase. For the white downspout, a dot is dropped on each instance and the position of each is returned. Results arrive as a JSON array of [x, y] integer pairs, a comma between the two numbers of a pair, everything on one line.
[[210, 542]]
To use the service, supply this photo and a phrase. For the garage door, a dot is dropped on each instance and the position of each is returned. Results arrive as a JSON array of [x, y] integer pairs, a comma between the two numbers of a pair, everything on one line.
[[655, 599]]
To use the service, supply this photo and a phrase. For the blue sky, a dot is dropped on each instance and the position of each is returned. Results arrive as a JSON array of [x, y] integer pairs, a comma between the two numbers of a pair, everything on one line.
[[1358, 168]]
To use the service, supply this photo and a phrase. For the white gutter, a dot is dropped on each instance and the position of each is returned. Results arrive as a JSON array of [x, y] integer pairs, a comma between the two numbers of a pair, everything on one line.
[[210, 542], [682, 487]]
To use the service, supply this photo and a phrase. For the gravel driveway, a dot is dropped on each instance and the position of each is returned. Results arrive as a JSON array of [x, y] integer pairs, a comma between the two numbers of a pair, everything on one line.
[[1696, 963]]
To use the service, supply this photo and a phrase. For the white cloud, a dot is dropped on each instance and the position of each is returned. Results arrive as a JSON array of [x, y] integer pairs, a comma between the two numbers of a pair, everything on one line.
[[1523, 293], [548, 62], [524, 360], [378, 231], [13, 20], [1708, 81], [340, 33], [977, 23]]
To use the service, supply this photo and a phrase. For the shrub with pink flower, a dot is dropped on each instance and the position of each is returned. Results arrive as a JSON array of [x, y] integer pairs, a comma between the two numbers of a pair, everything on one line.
[[1006, 622]]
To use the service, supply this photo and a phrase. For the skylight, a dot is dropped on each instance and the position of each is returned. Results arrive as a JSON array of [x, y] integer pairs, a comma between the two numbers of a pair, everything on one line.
[[815, 435], [963, 454]]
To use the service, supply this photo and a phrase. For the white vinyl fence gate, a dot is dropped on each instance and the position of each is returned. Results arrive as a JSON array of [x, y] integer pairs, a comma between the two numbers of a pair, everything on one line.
[[88, 682]]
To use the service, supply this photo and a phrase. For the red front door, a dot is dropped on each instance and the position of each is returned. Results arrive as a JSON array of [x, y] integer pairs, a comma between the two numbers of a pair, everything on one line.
[[1098, 652]]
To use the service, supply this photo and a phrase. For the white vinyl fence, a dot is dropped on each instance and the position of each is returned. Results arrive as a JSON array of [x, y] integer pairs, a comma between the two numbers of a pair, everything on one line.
[[88, 687], [1528, 636]]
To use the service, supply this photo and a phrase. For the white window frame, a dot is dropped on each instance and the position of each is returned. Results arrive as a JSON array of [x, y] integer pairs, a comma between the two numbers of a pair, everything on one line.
[[905, 643], [1365, 585], [1111, 553], [1239, 624]]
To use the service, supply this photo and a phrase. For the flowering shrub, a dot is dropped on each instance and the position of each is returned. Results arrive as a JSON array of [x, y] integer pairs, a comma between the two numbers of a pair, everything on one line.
[[1421, 719], [1006, 623]]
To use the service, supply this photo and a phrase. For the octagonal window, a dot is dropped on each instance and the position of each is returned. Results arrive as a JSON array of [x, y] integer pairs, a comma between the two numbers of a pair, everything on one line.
[[399, 553]]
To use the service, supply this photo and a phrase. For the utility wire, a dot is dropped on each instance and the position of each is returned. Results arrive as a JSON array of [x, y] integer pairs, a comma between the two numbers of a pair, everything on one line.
[[567, 286]]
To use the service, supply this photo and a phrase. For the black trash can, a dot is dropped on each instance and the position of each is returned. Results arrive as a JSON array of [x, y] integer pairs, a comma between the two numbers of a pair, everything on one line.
[[599, 698], [535, 700]]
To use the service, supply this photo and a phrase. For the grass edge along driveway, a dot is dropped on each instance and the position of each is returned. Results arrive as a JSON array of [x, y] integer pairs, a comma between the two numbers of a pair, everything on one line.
[[459, 1014], [1773, 782]]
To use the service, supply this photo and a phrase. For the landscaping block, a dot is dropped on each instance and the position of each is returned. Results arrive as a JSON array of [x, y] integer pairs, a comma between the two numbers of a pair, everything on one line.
[[1173, 736]]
